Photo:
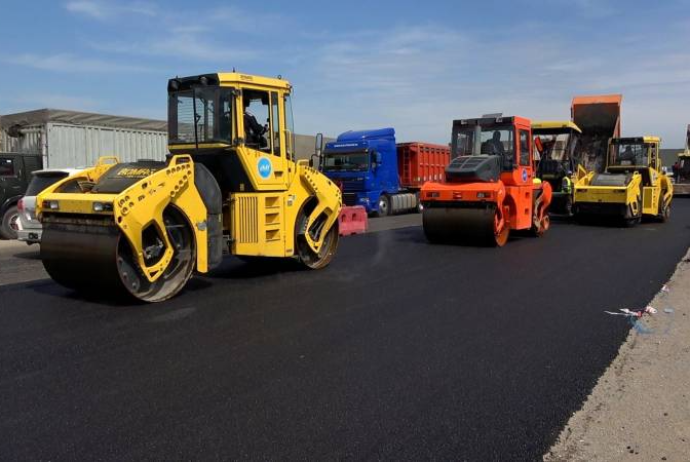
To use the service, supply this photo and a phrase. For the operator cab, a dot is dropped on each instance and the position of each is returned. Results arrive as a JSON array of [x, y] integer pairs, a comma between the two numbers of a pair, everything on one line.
[[633, 154], [559, 153], [502, 141], [214, 116]]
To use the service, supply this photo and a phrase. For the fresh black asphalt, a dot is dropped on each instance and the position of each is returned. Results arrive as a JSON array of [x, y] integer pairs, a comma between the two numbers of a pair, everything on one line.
[[400, 350]]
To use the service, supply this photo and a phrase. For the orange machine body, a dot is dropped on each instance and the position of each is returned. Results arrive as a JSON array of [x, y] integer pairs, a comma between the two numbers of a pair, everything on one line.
[[513, 196]]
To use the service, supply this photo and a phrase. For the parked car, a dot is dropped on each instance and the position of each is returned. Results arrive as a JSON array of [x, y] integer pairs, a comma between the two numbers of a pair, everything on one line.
[[15, 174], [30, 229]]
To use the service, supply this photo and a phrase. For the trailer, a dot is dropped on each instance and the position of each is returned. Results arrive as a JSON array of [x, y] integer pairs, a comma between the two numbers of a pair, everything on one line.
[[70, 139], [376, 173]]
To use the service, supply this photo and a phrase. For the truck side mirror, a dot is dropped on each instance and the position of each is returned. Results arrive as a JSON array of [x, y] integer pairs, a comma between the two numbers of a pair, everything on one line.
[[318, 145]]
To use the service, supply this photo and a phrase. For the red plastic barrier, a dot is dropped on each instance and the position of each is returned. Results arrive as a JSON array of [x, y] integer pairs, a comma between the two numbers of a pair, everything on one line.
[[353, 220]]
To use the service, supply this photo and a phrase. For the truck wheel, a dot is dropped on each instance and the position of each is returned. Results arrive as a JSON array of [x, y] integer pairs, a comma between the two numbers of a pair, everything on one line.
[[10, 223], [420, 207], [384, 206]]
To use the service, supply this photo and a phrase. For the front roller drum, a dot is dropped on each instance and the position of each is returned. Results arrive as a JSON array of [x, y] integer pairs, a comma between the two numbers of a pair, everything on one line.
[[99, 260], [472, 226]]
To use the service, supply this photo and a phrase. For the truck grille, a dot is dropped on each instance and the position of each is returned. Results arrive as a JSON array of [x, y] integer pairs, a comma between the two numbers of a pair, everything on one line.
[[350, 199], [356, 185]]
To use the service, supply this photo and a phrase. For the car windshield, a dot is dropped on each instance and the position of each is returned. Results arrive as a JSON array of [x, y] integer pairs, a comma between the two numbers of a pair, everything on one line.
[[200, 114], [555, 145], [42, 180], [476, 140], [628, 154], [350, 161]]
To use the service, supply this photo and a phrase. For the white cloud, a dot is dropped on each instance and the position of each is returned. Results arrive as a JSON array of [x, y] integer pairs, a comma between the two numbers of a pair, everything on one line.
[[102, 10], [70, 63]]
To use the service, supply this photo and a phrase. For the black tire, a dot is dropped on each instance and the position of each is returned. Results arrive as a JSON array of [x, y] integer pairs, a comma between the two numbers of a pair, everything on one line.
[[10, 222], [384, 206]]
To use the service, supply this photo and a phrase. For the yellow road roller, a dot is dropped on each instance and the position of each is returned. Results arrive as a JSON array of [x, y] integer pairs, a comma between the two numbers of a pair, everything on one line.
[[231, 185], [633, 185]]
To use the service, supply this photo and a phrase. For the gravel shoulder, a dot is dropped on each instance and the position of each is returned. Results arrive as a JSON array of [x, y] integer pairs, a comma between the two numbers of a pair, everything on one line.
[[640, 408]]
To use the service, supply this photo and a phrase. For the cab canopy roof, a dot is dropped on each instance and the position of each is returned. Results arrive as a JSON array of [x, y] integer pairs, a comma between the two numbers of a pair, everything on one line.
[[637, 139], [555, 125], [488, 121], [227, 78]]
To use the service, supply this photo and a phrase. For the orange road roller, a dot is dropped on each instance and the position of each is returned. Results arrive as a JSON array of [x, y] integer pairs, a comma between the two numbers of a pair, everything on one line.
[[490, 186]]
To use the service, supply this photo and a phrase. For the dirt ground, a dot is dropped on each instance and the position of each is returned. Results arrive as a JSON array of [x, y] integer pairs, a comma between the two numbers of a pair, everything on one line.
[[640, 408]]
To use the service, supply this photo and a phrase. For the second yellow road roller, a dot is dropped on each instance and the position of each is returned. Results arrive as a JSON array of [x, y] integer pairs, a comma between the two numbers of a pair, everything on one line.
[[230, 185], [633, 185]]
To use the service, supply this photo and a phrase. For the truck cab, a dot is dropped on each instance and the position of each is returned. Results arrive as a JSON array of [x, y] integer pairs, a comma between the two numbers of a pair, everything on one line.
[[364, 163], [376, 173]]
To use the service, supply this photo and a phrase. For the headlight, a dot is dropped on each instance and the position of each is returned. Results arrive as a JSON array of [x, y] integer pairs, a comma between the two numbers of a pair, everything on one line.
[[51, 205], [433, 194], [102, 207], [483, 195], [581, 190], [364, 199]]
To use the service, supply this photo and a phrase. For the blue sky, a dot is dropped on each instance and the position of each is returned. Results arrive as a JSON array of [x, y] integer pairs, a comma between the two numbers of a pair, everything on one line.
[[408, 64]]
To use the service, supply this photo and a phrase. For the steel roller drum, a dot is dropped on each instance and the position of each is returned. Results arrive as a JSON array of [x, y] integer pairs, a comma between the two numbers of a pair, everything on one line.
[[95, 258], [474, 226]]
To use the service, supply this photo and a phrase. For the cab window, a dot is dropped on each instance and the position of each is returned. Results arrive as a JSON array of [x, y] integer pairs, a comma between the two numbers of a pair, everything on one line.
[[524, 147], [257, 120], [275, 121]]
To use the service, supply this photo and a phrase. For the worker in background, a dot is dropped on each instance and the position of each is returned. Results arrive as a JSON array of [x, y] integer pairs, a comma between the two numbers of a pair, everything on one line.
[[566, 184]]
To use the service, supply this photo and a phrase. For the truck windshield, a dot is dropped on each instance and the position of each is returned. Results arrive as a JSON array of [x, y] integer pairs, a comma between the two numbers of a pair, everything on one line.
[[629, 154], [200, 114], [555, 145], [477, 140], [350, 161]]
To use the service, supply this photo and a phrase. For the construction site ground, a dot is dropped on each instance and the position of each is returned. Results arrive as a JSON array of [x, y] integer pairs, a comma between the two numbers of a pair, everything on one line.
[[400, 350]]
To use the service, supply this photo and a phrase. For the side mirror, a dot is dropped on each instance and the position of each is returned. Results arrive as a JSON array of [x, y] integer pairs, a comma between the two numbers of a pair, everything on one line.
[[377, 158], [538, 145], [318, 145]]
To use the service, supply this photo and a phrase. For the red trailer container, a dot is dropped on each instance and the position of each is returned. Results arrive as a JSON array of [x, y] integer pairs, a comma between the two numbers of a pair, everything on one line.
[[421, 162]]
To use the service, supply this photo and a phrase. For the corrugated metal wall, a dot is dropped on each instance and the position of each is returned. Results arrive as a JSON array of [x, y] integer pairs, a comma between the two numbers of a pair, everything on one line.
[[81, 145], [31, 142]]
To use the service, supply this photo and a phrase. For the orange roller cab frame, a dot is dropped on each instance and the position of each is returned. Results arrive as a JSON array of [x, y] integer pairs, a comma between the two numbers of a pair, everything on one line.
[[490, 186]]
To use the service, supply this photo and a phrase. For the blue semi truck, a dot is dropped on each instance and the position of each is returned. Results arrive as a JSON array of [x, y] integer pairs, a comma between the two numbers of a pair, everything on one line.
[[380, 175]]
